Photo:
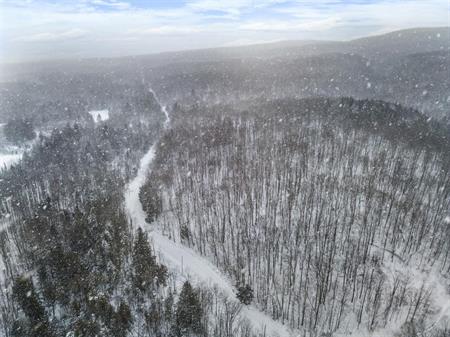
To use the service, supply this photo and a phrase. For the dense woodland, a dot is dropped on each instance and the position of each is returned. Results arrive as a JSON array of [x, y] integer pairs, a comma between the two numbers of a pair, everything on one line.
[[314, 177], [66, 241], [71, 264], [320, 205], [19, 130]]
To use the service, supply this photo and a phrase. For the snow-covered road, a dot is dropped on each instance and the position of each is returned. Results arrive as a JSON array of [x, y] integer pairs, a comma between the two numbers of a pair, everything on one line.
[[184, 260]]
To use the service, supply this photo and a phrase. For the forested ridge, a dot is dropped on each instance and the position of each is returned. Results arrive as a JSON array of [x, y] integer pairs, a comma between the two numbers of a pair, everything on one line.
[[325, 207]]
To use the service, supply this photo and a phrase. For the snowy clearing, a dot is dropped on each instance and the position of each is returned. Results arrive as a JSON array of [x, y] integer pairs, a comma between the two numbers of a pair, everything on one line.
[[99, 115], [12, 154], [8, 159], [184, 260]]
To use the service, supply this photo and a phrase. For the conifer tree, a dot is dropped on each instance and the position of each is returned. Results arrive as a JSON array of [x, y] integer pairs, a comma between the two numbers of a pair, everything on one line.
[[146, 272], [28, 300], [168, 307], [245, 294], [20, 328], [189, 312], [123, 320]]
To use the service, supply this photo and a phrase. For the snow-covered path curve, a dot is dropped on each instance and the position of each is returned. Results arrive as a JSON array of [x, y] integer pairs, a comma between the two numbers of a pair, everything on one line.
[[184, 260]]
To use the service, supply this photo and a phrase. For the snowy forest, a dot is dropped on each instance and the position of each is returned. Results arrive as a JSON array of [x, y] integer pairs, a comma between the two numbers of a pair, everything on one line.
[[277, 190]]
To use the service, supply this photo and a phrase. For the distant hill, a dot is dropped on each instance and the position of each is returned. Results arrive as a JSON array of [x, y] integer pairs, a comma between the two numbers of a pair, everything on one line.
[[398, 42], [409, 67]]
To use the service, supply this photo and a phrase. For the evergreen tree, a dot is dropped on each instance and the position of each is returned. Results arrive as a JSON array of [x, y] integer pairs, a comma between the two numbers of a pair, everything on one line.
[[20, 328], [19, 130], [101, 308], [145, 269], [86, 328], [161, 275], [168, 307], [153, 317], [123, 320], [245, 294], [28, 300], [189, 312], [151, 200]]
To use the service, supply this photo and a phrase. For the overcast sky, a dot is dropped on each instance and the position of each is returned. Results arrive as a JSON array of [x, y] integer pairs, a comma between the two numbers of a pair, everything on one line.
[[43, 29]]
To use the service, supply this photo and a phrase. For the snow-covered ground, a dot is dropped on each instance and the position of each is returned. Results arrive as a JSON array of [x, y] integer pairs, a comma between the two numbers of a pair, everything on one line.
[[9, 155], [188, 264], [183, 260], [8, 159], [99, 115], [430, 280]]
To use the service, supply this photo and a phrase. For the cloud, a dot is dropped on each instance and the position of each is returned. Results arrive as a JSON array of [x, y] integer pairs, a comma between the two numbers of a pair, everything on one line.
[[53, 37], [112, 4], [167, 30], [109, 27], [386, 14], [247, 42], [307, 25], [233, 7]]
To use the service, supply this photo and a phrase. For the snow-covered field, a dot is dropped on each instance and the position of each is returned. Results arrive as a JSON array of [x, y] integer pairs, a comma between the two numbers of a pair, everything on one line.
[[9, 155], [99, 115], [8, 159], [184, 261]]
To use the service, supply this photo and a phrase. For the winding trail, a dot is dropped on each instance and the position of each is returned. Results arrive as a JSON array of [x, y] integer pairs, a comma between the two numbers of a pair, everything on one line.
[[185, 261]]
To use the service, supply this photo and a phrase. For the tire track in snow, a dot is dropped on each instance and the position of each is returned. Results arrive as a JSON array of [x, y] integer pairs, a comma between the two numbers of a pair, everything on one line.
[[184, 260]]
